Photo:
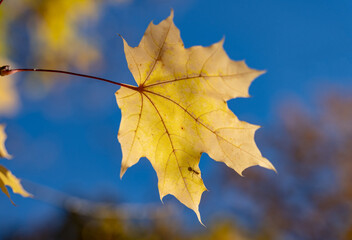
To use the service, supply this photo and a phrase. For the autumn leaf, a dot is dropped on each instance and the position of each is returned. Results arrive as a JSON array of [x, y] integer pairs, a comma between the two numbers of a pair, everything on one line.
[[179, 110], [6, 177]]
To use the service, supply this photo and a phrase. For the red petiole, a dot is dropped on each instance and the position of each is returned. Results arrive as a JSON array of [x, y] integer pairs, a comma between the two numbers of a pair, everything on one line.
[[5, 70]]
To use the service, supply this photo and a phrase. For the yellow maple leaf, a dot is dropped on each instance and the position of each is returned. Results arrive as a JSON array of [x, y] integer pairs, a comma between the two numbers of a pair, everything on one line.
[[179, 110], [6, 177]]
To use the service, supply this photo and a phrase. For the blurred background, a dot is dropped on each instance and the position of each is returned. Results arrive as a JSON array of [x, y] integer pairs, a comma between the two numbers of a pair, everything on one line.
[[62, 130]]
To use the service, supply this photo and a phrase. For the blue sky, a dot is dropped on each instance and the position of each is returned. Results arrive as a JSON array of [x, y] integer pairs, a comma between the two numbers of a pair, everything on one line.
[[67, 141]]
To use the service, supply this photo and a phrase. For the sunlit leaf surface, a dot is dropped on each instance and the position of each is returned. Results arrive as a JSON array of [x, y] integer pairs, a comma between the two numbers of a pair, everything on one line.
[[179, 110]]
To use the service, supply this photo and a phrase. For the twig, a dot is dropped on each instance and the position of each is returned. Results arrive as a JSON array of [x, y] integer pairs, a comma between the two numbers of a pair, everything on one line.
[[5, 71]]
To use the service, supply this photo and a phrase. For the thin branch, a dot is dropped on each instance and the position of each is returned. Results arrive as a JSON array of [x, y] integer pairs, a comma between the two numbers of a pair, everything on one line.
[[5, 70]]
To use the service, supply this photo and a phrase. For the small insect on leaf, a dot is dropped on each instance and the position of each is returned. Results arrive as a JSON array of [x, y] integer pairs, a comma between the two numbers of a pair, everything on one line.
[[192, 170]]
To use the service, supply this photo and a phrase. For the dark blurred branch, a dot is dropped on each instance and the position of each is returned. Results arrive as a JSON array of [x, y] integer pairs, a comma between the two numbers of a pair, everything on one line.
[[85, 207]]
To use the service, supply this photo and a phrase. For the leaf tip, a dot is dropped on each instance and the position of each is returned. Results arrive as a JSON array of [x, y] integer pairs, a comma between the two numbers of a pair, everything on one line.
[[171, 14], [222, 40], [199, 218], [24, 193], [122, 171], [123, 39], [161, 198], [268, 165], [12, 203], [261, 72], [6, 155], [274, 169]]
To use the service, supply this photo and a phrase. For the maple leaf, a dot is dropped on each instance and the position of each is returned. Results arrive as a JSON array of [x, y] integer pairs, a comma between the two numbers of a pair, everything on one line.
[[6, 177], [179, 110]]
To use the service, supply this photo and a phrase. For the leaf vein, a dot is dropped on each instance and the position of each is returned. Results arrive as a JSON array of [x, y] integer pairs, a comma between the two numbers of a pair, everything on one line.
[[173, 148]]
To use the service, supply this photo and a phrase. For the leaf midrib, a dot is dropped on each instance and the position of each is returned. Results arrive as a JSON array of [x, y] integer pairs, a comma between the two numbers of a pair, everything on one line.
[[173, 148]]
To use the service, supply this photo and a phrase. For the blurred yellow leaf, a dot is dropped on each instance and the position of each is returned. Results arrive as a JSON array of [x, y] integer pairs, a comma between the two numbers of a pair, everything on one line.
[[9, 100], [6, 177], [54, 31], [179, 110], [58, 36], [3, 136]]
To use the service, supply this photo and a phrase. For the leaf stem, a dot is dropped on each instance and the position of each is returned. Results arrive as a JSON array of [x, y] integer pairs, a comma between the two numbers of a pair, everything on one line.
[[5, 70]]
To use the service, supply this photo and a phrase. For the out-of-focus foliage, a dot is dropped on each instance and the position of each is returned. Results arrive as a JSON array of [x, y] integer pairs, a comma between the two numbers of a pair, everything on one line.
[[9, 100], [313, 198], [3, 136], [55, 39], [106, 222], [56, 36], [6, 177], [44, 33]]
